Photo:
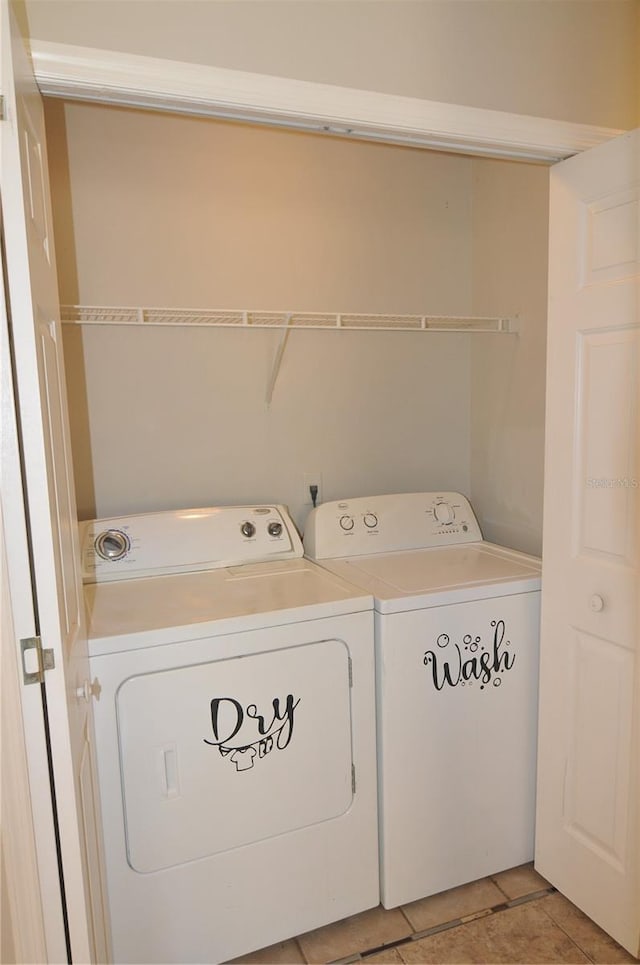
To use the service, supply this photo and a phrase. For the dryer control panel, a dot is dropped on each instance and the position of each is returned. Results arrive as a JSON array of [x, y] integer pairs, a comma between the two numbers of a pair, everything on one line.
[[182, 541], [386, 524]]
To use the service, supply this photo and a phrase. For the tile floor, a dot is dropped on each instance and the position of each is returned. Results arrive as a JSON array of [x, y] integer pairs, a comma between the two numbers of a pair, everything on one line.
[[514, 917]]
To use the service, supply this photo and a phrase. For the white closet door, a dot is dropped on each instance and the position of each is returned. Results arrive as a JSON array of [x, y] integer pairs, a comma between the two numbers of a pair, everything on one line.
[[588, 815], [49, 497]]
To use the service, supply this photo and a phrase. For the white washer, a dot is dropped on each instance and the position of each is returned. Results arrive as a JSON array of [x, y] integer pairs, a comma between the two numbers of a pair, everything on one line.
[[235, 733], [457, 628]]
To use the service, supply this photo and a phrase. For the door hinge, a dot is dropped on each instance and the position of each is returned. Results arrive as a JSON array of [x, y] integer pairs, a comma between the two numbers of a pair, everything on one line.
[[34, 666], [353, 778]]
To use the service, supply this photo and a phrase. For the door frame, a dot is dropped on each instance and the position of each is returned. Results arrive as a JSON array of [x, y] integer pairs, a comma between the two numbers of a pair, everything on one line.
[[143, 82], [42, 555], [24, 929], [133, 80], [29, 840]]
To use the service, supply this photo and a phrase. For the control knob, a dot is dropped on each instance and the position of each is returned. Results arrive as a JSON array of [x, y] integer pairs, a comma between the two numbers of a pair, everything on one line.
[[248, 529], [112, 545], [274, 528], [347, 523], [444, 513], [370, 520]]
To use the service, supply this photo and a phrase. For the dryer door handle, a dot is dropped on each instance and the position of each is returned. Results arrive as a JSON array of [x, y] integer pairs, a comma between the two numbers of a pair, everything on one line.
[[169, 771]]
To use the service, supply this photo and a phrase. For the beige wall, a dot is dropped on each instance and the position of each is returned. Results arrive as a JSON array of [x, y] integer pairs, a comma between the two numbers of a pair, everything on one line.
[[510, 224], [575, 60], [164, 210], [176, 210], [320, 228]]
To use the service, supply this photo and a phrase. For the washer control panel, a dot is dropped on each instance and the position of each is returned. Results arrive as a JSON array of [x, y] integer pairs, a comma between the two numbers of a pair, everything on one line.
[[386, 524], [157, 544]]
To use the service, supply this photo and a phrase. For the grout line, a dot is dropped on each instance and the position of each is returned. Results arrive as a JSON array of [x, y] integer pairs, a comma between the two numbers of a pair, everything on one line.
[[301, 951], [401, 910], [497, 884], [453, 923], [570, 937], [494, 910], [363, 956], [572, 940]]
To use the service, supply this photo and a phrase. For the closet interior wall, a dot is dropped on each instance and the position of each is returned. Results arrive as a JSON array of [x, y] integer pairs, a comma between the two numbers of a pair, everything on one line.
[[563, 60], [510, 250], [159, 209]]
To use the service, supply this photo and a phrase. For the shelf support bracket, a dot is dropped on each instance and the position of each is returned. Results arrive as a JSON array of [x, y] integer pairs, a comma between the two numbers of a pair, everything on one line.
[[277, 362]]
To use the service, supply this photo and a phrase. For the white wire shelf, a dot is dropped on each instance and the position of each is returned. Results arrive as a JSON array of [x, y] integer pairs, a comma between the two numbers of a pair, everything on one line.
[[315, 321]]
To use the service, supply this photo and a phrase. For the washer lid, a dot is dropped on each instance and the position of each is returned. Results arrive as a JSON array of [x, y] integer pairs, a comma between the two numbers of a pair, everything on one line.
[[132, 614], [436, 577]]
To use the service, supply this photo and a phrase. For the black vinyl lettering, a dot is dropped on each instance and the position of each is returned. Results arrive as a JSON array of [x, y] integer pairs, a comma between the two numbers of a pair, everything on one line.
[[229, 718], [450, 666]]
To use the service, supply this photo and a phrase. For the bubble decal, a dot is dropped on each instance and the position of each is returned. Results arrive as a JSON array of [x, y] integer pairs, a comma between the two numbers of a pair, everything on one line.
[[454, 664]]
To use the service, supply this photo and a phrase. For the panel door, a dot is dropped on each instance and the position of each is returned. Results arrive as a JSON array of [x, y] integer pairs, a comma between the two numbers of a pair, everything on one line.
[[589, 749], [49, 498]]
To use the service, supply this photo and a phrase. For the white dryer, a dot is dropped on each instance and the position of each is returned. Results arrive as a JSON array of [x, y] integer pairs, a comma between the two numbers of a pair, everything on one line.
[[235, 733], [457, 628]]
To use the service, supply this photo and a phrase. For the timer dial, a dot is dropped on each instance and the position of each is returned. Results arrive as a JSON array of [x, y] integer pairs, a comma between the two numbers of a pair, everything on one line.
[[248, 529], [274, 528], [370, 520], [347, 523], [112, 545], [444, 513]]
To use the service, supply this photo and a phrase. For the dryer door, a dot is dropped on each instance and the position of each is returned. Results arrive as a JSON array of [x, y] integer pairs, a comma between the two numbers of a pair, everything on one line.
[[219, 755]]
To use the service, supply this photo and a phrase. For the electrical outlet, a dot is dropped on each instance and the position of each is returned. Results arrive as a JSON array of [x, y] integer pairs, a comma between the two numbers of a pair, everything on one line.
[[311, 479]]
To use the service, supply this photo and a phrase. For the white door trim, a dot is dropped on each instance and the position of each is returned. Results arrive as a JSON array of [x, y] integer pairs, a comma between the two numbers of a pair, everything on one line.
[[28, 823], [86, 73], [26, 905]]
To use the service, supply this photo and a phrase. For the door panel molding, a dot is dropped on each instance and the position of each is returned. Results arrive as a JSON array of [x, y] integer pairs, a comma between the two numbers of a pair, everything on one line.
[[597, 813], [606, 429]]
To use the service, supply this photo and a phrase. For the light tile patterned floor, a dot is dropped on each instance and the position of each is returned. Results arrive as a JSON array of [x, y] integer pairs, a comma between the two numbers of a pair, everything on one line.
[[514, 917]]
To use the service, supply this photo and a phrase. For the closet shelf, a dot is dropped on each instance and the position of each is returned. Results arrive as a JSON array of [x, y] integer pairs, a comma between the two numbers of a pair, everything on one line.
[[314, 321], [286, 322]]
